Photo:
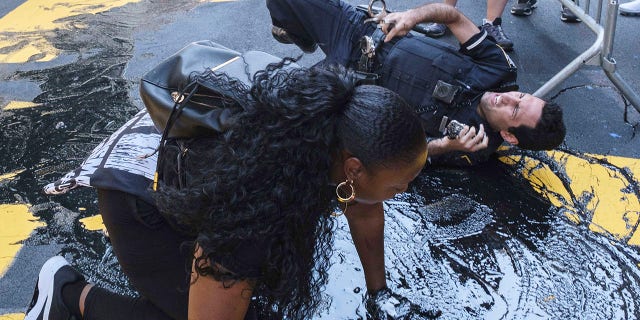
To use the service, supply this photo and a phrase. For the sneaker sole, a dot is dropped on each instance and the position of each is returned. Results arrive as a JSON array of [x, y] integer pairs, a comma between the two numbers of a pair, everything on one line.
[[524, 12], [624, 13], [285, 39], [434, 35], [40, 309], [521, 12], [507, 48], [570, 19], [280, 38]]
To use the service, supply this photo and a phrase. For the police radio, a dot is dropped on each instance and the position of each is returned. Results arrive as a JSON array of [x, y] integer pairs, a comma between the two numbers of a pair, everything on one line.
[[451, 129]]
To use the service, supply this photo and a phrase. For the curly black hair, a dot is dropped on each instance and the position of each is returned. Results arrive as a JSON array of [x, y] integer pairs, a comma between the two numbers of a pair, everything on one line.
[[263, 186]]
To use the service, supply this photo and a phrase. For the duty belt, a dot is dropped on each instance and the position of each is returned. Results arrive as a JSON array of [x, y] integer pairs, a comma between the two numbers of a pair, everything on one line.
[[369, 46]]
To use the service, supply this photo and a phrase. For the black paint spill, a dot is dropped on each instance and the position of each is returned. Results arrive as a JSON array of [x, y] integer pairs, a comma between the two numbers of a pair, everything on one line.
[[477, 243]]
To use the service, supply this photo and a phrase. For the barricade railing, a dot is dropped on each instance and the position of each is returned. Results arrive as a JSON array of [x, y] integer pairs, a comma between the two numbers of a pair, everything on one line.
[[600, 51]]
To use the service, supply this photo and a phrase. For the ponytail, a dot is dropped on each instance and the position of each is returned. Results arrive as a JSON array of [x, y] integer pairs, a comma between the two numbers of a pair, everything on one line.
[[265, 181]]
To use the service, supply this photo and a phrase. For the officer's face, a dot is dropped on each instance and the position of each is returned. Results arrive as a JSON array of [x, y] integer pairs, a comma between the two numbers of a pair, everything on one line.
[[510, 109]]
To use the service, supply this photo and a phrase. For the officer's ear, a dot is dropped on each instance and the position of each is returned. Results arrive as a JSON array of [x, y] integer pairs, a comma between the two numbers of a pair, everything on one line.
[[509, 137]]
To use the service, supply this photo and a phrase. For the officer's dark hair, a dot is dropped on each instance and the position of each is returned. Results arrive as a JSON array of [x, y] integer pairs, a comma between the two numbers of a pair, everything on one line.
[[548, 133]]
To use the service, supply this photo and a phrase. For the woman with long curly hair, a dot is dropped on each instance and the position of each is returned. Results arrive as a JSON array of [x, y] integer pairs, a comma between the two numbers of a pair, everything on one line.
[[252, 209]]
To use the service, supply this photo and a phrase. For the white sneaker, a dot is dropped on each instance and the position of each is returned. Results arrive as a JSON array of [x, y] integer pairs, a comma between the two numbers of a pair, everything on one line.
[[47, 303], [630, 8]]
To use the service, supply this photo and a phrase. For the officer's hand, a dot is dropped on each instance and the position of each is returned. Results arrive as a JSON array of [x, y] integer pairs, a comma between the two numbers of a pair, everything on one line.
[[470, 141], [397, 24], [384, 304]]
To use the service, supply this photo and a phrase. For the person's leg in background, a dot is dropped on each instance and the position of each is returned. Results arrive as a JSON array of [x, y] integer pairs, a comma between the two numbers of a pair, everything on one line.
[[568, 16], [493, 23], [524, 7]]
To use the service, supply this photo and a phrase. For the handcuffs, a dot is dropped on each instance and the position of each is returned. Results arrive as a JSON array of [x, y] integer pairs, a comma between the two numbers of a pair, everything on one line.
[[379, 17], [369, 45]]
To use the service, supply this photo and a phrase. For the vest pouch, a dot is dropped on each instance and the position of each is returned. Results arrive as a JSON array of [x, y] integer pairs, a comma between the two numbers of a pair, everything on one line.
[[455, 67], [415, 64]]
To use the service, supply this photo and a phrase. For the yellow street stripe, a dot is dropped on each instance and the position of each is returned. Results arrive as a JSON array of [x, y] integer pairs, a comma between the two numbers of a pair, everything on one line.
[[17, 224], [93, 223], [23, 36], [15, 105], [10, 175], [27, 34], [594, 189], [22, 39], [635, 239]]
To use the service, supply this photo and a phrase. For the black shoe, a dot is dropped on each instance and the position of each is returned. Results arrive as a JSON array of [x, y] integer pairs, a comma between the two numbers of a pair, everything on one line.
[[524, 7], [435, 30], [568, 16], [282, 36], [495, 31], [47, 303]]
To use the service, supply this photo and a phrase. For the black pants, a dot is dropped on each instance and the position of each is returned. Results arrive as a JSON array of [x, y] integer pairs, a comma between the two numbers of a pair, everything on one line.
[[334, 25], [152, 255]]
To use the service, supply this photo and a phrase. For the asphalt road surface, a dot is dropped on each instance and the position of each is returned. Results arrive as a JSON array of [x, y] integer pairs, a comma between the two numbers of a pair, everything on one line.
[[530, 235]]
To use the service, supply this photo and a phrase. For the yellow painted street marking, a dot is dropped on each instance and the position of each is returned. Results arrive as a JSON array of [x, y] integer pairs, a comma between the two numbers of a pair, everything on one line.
[[602, 190], [15, 105], [21, 223], [23, 37], [10, 175], [93, 223], [635, 239], [12, 316], [24, 30]]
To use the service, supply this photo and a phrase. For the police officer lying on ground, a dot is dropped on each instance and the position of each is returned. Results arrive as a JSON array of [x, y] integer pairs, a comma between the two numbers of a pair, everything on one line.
[[474, 84]]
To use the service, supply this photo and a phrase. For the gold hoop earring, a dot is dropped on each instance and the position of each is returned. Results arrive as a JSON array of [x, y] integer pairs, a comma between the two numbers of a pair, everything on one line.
[[346, 200]]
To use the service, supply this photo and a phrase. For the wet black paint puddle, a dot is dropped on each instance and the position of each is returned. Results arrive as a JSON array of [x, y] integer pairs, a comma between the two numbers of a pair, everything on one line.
[[510, 256], [476, 243]]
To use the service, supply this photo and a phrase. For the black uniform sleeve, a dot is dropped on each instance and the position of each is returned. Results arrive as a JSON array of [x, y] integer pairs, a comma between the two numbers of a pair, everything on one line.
[[482, 47], [492, 59]]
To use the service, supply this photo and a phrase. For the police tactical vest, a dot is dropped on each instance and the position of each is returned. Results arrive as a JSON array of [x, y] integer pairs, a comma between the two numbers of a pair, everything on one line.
[[413, 72]]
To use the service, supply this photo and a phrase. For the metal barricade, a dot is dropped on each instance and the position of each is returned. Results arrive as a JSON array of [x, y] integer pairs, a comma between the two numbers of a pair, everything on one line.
[[603, 46]]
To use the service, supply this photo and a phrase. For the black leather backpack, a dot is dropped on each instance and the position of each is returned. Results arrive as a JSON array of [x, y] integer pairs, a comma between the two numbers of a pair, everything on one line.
[[183, 107], [188, 110]]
